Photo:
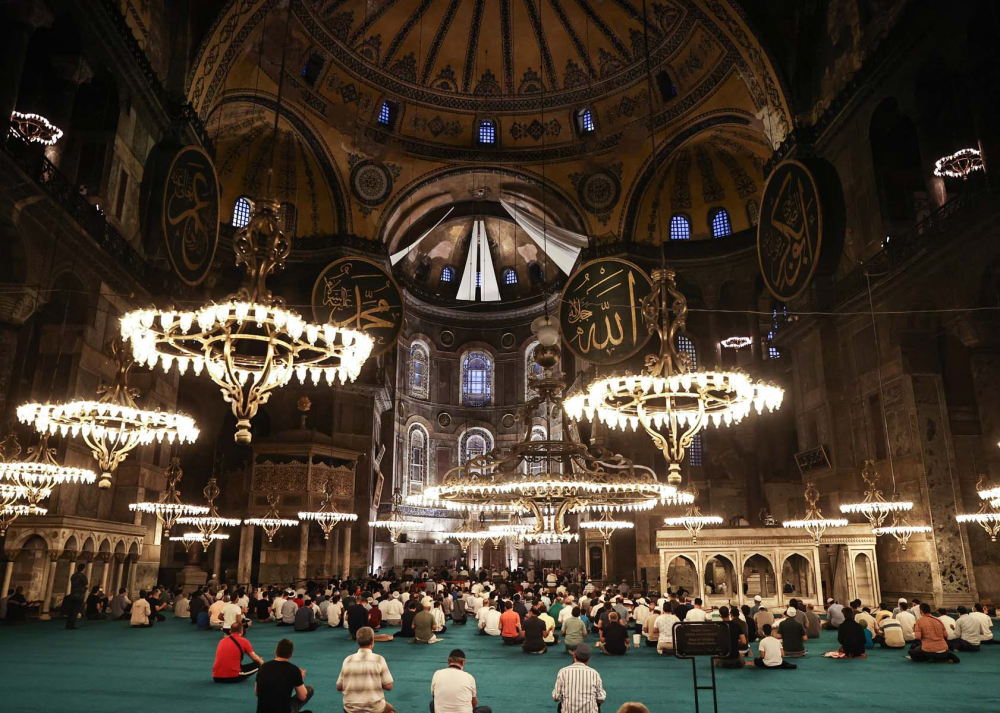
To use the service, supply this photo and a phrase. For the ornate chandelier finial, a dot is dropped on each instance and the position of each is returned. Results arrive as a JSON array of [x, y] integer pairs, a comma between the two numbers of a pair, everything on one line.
[[210, 524], [814, 523], [170, 507], [875, 507], [693, 521], [327, 516], [272, 521], [35, 476]]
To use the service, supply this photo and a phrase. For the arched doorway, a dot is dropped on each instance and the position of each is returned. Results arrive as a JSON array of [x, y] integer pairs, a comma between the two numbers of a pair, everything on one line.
[[719, 577], [864, 585], [758, 577], [797, 578], [596, 560], [681, 572], [30, 568]]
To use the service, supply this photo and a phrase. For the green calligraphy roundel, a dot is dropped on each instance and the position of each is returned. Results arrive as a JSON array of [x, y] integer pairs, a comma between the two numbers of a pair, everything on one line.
[[357, 293], [600, 314]]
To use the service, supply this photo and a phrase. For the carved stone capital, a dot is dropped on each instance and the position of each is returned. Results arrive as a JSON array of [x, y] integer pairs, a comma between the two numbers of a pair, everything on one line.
[[120, 557], [54, 555]]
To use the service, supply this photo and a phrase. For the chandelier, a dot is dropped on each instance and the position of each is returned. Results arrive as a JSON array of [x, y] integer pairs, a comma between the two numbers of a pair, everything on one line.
[[112, 426], [10, 512], [249, 344], [814, 523], [467, 534], [189, 538], [209, 524], [875, 507], [396, 524], [693, 521], [35, 128], [169, 507], [987, 517], [901, 530], [960, 164], [736, 342], [35, 476], [670, 399], [272, 521], [606, 527], [328, 516]]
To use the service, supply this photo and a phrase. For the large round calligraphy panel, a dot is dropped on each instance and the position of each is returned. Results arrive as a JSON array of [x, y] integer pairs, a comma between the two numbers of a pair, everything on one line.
[[600, 314], [357, 293], [181, 204], [789, 230]]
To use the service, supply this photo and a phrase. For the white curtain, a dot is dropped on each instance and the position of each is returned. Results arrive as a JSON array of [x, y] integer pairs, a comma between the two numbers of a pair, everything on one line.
[[480, 261], [490, 288], [561, 245], [467, 287], [397, 256]]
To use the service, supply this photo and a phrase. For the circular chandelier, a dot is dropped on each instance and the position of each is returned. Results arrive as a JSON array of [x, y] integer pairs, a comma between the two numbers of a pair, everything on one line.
[[901, 530], [960, 164], [249, 345], [113, 426], [736, 342], [672, 400], [606, 527], [9, 513], [35, 128], [814, 523], [169, 507], [396, 524], [190, 538], [272, 521], [209, 524], [875, 507], [693, 521], [328, 516], [36, 476], [987, 518], [467, 534]]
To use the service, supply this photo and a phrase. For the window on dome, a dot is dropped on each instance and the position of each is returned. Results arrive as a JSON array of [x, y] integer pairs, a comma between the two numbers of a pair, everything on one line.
[[487, 132], [474, 442], [312, 68], [686, 346], [387, 114], [696, 454], [680, 228], [509, 276], [666, 86], [241, 212], [477, 379], [286, 218], [585, 121], [448, 274], [535, 273], [720, 223]]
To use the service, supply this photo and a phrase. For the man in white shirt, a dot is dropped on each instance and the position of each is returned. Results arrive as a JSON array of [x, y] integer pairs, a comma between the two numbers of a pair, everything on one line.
[[640, 613], [906, 621], [231, 613], [335, 611], [969, 631], [663, 629], [276, 605], [215, 613], [949, 625], [696, 614], [474, 604], [489, 623], [770, 653], [567, 611], [392, 613], [453, 690], [984, 619]]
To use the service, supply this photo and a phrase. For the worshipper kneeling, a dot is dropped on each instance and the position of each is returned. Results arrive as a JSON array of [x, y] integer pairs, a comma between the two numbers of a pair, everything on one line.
[[423, 625], [364, 676], [579, 688], [141, 611], [737, 642], [573, 630], [851, 636], [280, 686], [770, 653], [931, 639], [305, 618], [614, 637], [792, 634], [452, 689], [229, 666], [969, 632], [510, 626]]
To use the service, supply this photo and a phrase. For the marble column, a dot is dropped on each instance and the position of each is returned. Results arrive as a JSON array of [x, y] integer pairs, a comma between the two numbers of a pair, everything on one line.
[[132, 560], [50, 580], [119, 566], [303, 563], [69, 574], [334, 568], [104, 557], [245, 564], [8, 572], [20, 20], [90, 569], [346, 564], [217, 560]]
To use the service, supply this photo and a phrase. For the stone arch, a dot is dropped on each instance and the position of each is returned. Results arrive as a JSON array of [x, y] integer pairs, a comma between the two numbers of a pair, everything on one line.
[[864, 582], [724, 585], [803, 582], [684, 576], [24, 536], [763, 581]]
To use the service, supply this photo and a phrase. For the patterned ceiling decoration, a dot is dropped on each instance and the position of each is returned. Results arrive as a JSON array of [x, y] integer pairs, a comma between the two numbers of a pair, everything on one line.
[[600, 190], [371, 182]]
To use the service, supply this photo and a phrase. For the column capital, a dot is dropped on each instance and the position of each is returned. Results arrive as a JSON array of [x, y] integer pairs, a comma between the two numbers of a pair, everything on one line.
[[54, 555], [31, 13], [104, 556], [86, 556]]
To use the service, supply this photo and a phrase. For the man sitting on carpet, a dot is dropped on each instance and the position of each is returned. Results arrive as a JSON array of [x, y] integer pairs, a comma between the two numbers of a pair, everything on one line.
[[305, 618], [534, 633], [792, 634], [614, 637], [453, 690], [489, 619], [579, 688], [737, 642], [510, 626], [931, 639], [357, 617], [392, 613], [834, 614], [364, 677], [215, 612], [851, 636], [280, 686], [574, 631], [770, 653], [141, 611], [229, 666], [423, 624], [969, 632], [984, 619]]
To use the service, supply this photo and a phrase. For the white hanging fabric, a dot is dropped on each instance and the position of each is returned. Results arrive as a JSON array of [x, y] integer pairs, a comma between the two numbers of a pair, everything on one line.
[[397, 256], [489, 287], [562, 245], [467, 287]]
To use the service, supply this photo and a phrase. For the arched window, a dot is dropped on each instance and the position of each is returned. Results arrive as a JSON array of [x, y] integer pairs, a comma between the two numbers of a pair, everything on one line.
[[721, 226], [286, 218], [417, 458], [312, 68], [537, 466], [474, 442], [536, 273], [487, 133], [666, 86], [585, 121], [532, 371], [680, 228], [418, 377], [387, 113], [241, 212], [686, 346], [510, 276], [477, 379], [448, 274]]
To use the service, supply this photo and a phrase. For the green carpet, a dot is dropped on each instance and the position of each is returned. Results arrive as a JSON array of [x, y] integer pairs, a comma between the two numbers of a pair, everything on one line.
[[109, 667]]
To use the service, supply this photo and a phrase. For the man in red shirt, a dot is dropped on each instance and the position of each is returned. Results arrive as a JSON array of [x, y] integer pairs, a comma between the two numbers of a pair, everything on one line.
[[932, 638], [229, 666], [510, 625]]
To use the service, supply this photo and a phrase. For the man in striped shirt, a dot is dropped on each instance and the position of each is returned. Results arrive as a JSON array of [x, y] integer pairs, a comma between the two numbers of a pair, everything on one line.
[[364, 677], [579, 688]]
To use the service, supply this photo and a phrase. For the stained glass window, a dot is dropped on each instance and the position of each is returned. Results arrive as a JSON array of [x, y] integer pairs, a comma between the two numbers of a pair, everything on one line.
[[487, 132], [418, 458], [720, 223], [509, 276], [680, 228], [477, 379], [448, 274], [241, 212], [474, 442], [418, 376], [385, 114]]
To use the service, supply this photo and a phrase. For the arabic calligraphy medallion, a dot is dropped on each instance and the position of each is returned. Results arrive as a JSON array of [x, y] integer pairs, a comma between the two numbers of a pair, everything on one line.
[[790, 230], [357, 293], [600, 314], [189, 213]]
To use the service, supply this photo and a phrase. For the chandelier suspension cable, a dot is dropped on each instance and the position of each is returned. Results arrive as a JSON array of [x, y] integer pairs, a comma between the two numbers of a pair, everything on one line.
[[277, 107]]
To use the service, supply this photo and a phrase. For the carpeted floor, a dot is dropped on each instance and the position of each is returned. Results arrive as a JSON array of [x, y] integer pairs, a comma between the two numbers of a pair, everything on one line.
[[109, 667]]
